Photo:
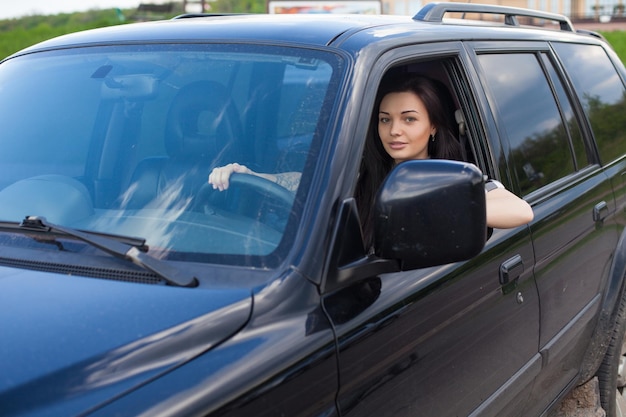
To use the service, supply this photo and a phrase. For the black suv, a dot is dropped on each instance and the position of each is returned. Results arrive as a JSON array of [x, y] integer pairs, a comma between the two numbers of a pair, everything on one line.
[[128, 286]]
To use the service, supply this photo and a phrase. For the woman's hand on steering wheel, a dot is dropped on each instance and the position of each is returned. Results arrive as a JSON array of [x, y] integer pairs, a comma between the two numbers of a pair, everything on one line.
[[258, 183], [219, 178]]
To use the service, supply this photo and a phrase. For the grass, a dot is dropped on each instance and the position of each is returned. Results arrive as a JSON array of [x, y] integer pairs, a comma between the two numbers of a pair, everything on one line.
[[617, 39]]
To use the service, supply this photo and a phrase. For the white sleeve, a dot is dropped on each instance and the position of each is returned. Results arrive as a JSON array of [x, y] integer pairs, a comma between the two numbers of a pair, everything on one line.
[[492, 185]]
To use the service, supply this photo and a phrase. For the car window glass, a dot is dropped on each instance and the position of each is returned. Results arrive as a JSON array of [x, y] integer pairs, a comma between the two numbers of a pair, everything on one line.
[[134, 131], [602, 94], [531, 121], [581, 155], [47, 124]]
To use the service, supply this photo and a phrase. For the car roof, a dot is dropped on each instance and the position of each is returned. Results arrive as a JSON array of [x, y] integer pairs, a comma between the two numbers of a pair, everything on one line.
[[313, 30], [308, 29]]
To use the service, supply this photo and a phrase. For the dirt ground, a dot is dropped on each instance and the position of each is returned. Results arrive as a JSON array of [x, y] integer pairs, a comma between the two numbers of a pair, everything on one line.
[[583, 401]]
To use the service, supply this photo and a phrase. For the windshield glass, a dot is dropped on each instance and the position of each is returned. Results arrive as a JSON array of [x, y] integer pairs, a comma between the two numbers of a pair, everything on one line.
[[122, 140]]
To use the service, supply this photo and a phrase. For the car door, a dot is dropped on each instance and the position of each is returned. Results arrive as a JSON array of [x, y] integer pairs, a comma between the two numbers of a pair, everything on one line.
[[552, 164], [455, 340]]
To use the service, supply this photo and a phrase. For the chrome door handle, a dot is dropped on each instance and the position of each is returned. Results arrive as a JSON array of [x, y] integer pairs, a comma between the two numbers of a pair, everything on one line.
[[600, 211]]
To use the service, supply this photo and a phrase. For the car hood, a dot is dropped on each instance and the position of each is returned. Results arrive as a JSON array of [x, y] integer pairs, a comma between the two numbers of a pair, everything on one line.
[[69, 343]]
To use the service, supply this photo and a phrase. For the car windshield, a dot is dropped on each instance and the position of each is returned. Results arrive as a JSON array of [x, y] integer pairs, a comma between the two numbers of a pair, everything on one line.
[[121, 139]]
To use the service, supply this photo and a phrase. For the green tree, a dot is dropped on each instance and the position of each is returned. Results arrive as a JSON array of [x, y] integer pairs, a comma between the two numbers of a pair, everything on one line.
[[238, 6]]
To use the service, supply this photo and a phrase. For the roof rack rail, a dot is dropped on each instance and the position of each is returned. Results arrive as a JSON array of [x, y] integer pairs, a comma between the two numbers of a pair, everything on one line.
[[194, 15], [434, 12]]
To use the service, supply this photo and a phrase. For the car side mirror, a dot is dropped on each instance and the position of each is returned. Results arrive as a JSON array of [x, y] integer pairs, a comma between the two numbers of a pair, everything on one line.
[[430, 212]]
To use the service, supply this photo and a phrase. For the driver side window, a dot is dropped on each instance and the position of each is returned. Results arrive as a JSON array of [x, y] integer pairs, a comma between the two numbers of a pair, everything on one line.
[[417, 115]]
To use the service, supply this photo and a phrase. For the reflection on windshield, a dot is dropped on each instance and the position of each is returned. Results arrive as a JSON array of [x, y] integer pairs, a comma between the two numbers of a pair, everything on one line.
[[154, 228], [122, 139]]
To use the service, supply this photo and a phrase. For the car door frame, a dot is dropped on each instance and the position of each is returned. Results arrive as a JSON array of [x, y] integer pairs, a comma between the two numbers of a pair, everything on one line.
[[392, 297]]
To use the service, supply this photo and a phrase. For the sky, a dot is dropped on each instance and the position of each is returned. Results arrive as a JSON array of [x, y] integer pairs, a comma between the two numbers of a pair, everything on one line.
[[19, 8]]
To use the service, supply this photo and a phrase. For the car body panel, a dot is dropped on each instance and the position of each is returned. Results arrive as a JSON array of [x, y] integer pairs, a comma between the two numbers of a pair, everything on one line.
[[286, 349], [426, 324], [72, 341]]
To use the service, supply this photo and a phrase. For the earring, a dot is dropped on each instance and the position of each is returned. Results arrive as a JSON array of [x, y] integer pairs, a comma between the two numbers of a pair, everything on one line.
[[432, 137]]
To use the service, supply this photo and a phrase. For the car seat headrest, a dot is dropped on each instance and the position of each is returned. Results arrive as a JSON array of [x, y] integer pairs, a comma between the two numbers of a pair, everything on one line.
[[201, 121]]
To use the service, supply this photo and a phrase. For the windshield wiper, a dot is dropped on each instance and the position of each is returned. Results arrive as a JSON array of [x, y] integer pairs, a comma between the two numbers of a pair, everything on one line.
[[123, 250]]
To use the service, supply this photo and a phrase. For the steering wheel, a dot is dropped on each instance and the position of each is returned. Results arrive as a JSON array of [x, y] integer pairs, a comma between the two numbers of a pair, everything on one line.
[[258, 184]]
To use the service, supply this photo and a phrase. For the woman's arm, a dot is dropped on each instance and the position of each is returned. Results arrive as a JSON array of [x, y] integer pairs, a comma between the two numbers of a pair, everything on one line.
[[506, 210], [220, 176]]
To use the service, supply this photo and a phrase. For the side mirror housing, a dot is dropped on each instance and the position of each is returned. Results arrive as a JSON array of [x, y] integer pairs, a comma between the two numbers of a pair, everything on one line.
[[430, 212]]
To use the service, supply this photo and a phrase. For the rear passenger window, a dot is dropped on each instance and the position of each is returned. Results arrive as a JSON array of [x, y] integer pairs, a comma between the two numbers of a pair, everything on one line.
[[602, 94], [581, 155], [543, 135]]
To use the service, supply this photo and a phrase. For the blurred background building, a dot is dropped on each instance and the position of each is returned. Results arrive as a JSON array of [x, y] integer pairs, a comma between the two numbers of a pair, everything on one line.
[[575, 9]]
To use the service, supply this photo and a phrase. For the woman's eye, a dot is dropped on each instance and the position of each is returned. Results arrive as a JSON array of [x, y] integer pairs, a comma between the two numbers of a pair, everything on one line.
[[410, 119], [383, 120]]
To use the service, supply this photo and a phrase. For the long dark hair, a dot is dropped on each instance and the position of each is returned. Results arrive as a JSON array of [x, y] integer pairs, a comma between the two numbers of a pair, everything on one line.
[[377, 163]]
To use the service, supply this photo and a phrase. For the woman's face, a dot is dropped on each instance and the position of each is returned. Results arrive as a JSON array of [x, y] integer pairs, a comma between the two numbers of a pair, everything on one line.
[[404, 126]]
